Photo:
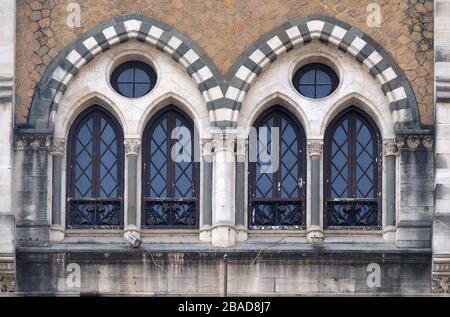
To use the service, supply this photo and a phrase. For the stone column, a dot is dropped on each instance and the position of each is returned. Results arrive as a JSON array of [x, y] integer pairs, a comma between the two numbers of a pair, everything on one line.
[[223, 218], [57, 153], [7, 74], [315, 228], [241, 190], [206, 191], [390, 154], [132, 149]]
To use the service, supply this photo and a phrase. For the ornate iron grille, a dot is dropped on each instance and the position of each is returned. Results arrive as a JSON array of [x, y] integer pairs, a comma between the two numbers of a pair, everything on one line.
[[102, 213], [171, 175], [95, 167], [169, 212], [353, 180], [277, 198]]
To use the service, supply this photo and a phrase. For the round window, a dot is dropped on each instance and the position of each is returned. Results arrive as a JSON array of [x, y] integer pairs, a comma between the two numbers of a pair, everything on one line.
[[315, 80], [133, 79]]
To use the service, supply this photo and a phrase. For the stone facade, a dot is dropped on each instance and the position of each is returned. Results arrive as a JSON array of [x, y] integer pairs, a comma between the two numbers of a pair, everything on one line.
[[224, 30], [223, 63]]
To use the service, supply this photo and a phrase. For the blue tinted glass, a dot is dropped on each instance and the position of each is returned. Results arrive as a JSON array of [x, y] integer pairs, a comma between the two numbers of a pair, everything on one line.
[[133, 79], [141, 89], [308, 91], [141, 76], [315, 80], [126, 76], [323, 91], [126, 90], [322, 77], [308, 78]]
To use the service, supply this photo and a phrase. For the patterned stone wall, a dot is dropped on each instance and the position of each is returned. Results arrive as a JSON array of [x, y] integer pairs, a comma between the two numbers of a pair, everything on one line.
[[224, 29]]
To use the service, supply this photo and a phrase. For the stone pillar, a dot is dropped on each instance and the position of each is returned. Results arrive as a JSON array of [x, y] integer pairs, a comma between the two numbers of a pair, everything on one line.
[[223, 218], [7, 74], [415, 200], [132, 149], [441, 219], [315, 228], [206, 191], [241, 190], [390, 154], [57, 153]]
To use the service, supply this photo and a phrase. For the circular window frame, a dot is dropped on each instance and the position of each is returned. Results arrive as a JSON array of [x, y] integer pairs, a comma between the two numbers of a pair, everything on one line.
[[136, 64], [123, 57], [315, 59]]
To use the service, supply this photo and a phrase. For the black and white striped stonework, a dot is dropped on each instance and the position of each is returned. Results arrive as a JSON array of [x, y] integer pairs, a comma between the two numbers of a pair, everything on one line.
[[82, 51], [224, 95], [298, 32]]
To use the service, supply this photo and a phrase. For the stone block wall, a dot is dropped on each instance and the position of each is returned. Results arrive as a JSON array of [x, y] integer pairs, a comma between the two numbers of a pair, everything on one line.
[[225, 29]]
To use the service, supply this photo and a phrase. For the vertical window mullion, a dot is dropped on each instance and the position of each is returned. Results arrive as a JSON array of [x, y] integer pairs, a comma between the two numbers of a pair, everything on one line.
[[96, 155], [171, 164]]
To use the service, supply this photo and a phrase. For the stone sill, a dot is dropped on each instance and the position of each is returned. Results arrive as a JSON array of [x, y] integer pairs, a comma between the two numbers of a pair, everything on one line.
[[239, 248]]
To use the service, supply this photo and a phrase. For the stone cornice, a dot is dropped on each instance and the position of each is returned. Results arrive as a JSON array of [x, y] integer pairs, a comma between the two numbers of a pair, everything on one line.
[[415, 142], [33, 142]]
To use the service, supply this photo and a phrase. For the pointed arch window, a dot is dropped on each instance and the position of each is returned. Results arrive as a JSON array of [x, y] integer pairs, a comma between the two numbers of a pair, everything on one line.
[[352, 172], [170, 173], [277, 196], [94, 169]]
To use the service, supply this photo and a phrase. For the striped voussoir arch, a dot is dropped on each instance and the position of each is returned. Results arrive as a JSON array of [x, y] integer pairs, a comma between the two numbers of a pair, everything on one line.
[[133, 26], [381, 66]]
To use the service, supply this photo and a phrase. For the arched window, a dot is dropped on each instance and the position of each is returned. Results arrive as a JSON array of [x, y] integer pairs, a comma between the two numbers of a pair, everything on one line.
[[170, 173], [94, 169], [277, 175], [352, 172]]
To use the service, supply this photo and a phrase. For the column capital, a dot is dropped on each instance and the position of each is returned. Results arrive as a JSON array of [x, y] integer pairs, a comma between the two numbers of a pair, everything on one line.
[[390, 148], [58, 146], [132, 146], [315, 147], [206, 147], [224, 141]]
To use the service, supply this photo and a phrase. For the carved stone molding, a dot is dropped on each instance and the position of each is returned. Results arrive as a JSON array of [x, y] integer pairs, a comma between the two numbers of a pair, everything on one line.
[[7, 283], [132, 146], [415, 142], [315, 147], [440, 283], [224, 142], [241, 147], [33, 141], [390, 148], [58, 147]]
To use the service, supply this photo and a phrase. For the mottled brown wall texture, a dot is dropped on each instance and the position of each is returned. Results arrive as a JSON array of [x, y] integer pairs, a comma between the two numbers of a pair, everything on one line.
[[224, 29]]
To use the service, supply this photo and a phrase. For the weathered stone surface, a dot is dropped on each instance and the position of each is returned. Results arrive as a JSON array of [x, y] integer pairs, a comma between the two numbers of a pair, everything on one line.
[[224, 29], [201, 272]]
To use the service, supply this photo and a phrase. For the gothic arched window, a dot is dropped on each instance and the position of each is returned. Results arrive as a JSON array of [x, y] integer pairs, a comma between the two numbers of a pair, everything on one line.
[[170, 173], [94, 169], [352, 172], [277, 175]]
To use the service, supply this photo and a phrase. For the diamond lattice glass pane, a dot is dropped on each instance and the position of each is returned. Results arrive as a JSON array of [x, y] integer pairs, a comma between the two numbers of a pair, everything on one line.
[[109, 183], [339, 161], [264, 179], [183, 159], [158, 171], [289, 163], [83, 165], [365, 162]]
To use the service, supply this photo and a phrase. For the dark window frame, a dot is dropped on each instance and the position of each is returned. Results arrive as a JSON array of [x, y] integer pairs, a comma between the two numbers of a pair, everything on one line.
[[133, 65], [276, 111], [334, 79], [150, 126], [352, 113], [94, 112]]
